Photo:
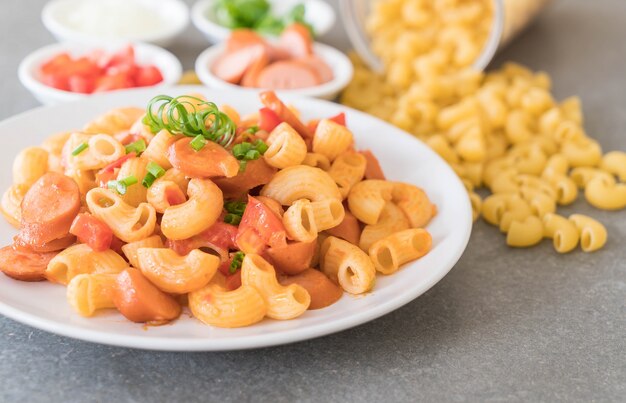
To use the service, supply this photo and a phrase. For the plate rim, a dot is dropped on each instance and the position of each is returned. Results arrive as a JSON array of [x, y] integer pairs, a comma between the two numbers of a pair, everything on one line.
[[248, 341]]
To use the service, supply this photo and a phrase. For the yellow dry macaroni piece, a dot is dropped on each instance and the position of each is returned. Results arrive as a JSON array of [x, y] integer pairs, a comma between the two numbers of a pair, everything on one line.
[[502, 130], [592, 233], [562, 231], [29, 165]]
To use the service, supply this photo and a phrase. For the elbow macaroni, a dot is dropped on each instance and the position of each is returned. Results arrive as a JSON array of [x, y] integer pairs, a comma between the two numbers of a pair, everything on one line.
[[283, 302]]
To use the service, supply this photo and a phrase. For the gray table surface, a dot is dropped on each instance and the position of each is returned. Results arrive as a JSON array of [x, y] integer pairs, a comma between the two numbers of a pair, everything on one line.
[[504, 325]]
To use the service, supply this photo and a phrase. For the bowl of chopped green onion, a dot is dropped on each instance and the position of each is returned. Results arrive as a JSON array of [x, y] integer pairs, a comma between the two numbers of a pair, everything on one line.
[[216, 18]]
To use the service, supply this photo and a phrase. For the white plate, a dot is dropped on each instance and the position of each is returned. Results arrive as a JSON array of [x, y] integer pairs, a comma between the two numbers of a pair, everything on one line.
[[402, 157]]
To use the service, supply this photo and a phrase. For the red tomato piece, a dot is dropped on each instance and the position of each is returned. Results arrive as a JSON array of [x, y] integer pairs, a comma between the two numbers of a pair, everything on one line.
[[118, 163], [268, 119], [233, 281], [55, 64], [340, 118], [147, 76], [55, 81], [125, 56], [112, 82], [81, 84], [260, 227], [92, 231]]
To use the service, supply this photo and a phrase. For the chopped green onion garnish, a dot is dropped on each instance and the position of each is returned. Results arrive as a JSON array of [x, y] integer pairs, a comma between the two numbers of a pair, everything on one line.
[[235, 207], [198, 142], [121, 186], [253, 129], [154, 172], [235, 211], [137, 147], [82, 147], [190, 116], [232, 219], [236, 263], [252, 155], [261, 146], [155, 169], [129, 180], [249, 152]]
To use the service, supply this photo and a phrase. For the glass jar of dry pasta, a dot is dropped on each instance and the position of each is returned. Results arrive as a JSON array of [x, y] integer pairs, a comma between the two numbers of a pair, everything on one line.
[[472, 30]]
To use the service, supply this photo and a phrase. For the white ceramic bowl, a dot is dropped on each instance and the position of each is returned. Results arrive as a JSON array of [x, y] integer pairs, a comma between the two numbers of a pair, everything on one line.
[[28, 71], [56, 16], [336, 60], [317, 12]]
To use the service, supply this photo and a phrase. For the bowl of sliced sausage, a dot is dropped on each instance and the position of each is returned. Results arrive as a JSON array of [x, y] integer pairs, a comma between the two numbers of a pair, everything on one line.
[[291, 64]]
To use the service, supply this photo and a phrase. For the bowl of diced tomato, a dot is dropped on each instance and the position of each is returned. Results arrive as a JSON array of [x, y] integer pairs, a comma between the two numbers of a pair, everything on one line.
[[68, 71]]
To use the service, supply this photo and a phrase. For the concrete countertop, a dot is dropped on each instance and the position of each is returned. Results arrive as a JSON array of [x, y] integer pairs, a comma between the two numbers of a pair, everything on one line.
[[504, 325]]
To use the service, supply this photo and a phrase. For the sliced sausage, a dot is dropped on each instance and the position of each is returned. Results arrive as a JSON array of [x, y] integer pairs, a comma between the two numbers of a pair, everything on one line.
[[271, 101], [319, 66], [322, 290], [349, 229], [22, 265], [52, 246], [231, 66], [296, 39], [251, 76], [287, 75], [48, 209], [373, 169], [140, 301], [212, 160], [257, 173], [294, 257], [242, 38]]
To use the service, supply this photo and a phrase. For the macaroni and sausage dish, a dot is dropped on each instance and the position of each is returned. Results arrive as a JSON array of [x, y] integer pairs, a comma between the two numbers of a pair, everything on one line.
[[187, 203]]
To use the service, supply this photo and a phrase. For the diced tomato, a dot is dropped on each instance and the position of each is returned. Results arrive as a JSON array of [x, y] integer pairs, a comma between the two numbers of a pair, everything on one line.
[[148, 75], [115, 81], [268, 119], [260, 227], [130, 138], [219, 235], [103, 177], [56, 81], [118, 163], [116, 245], [224, 267], [92, 231], [125, 56], [233, 281], [56, 63], [339, 118], [81, 84], [174, 196], [248, 241], [82, 66], [312, 125]]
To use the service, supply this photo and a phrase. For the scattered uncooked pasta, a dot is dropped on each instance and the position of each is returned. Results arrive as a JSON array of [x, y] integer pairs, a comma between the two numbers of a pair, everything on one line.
[[501, 131]]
